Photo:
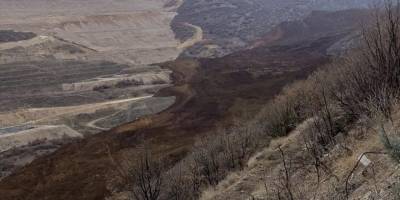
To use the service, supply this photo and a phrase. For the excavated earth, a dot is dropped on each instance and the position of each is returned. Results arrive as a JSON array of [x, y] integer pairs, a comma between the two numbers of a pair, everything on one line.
[[135, 31], [207, 91], [69, 69]]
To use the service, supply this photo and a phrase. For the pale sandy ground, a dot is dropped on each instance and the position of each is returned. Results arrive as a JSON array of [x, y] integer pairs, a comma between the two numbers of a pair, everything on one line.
[[26, 43], [146, 78], [43, 115], [123, 26], [92, 124], [42, 119], [197, 37], [134, 31], [45, 132]]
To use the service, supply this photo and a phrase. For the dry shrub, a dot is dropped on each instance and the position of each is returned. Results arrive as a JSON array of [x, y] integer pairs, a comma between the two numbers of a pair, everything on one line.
[[363, 83], [211, 159], [371, 75], [182, 182], [302, 100], [228, 150], [208, 158], [388, 133], [287, 110], [146, 177]]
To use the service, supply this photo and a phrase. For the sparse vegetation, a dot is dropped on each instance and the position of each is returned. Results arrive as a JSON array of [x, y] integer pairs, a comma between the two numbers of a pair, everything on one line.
[[330, 102], [146, 177], [332, 99], [391, 142]]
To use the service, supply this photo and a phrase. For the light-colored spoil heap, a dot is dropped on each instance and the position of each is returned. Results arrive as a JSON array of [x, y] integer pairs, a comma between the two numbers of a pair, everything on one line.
[[12, 140], [136, 31]]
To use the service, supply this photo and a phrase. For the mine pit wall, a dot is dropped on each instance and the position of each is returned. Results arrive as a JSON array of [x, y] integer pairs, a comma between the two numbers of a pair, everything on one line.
[[136, 31], [18, 139], [137, 79], [128, 33]]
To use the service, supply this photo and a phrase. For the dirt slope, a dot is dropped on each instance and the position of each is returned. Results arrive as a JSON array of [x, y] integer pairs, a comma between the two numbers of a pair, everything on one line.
[[206, 90], [371, 179]]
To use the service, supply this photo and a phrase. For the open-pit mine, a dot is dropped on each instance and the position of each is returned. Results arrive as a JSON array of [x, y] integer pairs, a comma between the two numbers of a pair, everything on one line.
[[73, 68], [83, 82]]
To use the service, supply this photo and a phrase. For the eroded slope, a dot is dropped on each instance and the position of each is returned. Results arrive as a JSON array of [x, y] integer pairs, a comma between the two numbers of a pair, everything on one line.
[[207, 91]]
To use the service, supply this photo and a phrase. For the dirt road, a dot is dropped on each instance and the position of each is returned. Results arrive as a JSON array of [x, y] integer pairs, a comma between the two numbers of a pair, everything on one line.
[[197, 37], [40, 115]]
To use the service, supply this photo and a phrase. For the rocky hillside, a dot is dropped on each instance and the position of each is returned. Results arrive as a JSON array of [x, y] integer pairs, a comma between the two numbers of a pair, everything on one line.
[[230, 25], [331, 136], [374, 176]]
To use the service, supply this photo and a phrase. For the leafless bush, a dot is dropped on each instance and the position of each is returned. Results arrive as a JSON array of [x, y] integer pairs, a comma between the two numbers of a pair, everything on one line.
[[181, 184], [326, 119], [371, 74], [208, 159], [146, 176], [286, 184], [363, 83], [315, 151], [390, 140], [212, 158], [282, 115], [239, 144]]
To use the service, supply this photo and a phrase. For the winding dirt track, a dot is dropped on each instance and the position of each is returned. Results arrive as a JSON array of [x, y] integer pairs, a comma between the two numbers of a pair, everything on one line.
[[26, 43], [197, 37], [92, 124], [50, 114]]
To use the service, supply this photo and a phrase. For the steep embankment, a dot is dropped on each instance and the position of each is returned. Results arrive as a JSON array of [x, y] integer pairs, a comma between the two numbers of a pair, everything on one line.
[[207, 91], [373, 177]]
